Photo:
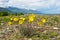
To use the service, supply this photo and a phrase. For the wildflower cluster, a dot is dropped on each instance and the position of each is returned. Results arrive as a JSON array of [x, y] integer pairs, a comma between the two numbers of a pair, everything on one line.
[[22, 19], [43, 20], [30, 18]]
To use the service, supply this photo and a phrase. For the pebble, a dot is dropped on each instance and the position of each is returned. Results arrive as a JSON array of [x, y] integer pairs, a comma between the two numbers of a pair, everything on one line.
[[30, 39], [55, 28], [2, 24]]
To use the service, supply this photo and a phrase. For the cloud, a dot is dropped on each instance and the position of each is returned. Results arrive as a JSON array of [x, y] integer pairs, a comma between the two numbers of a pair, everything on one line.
[[40, 5], [3, 3], [56, 11], [33, 3]]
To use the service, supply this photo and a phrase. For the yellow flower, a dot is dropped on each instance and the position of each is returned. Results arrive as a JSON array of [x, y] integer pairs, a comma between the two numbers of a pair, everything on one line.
[[15, 19], [39, 23], [21, 21], [9, 23], [43, 20], [22, 18], [11, 18], [31, 18], [33, 15]]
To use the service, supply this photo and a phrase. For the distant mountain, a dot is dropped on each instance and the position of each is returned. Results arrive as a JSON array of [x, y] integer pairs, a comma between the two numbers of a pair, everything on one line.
[[17, 10], [4, 9]]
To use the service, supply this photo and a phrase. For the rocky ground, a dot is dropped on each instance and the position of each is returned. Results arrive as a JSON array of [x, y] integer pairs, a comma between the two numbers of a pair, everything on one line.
[[31, 31]]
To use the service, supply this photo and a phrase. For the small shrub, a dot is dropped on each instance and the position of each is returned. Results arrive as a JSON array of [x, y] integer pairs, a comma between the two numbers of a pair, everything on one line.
[[21, 14], [4, 13], [52, 34], [27, 31]]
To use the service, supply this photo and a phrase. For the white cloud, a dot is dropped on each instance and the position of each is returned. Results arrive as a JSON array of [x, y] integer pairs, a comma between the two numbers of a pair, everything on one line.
[[32, 3], [42, 5], [3, 3]]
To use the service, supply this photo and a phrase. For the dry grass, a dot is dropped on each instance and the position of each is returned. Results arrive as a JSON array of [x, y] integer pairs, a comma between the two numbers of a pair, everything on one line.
[[31, 31]]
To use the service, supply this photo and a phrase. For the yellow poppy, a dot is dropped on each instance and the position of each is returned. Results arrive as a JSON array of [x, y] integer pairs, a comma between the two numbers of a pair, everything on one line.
[[9, 23], [30, 18], [33, 15], [21, 21], [16, 19], [22, 18], [11, 18], [43, 20]]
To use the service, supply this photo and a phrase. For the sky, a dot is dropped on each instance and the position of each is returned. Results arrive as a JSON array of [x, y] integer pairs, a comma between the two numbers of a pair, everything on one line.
[[44, 6]]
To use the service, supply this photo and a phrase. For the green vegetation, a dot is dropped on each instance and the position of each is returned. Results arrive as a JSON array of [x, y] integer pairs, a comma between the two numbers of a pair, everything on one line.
[[29, 30], [6, 13]]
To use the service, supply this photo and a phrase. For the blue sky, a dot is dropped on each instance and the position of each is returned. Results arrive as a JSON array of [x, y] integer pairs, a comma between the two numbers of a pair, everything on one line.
[[44, 6]]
